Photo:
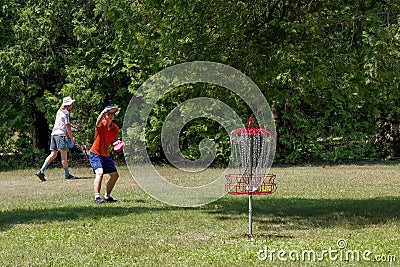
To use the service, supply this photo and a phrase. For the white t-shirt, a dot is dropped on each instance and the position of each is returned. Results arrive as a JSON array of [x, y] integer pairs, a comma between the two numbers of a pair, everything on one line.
[[62, 119]]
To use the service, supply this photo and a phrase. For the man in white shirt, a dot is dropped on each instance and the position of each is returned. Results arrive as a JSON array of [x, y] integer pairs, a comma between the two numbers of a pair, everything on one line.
[[61, 131]]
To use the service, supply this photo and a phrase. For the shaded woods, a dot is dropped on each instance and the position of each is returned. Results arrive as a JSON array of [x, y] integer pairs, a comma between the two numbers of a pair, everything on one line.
[[329, 70]]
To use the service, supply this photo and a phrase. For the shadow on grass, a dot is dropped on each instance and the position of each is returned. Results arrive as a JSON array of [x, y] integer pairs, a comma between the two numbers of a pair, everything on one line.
[[22, 216], [268, 213], [303, 213]]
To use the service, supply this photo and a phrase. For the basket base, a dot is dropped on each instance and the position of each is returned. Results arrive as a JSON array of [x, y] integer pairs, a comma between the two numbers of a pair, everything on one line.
[[238, 184]]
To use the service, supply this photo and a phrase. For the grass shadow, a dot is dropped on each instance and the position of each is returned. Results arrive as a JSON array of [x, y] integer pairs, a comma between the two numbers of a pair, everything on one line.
[[85, 177], [24, 216], [303, 213], [268, 213]]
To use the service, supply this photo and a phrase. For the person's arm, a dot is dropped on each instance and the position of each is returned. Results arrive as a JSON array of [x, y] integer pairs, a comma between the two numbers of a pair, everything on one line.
[[69, 133], [100, 118], [68, 128]]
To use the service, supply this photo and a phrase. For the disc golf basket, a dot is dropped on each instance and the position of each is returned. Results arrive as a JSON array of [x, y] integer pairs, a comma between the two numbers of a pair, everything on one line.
[[250, 150]]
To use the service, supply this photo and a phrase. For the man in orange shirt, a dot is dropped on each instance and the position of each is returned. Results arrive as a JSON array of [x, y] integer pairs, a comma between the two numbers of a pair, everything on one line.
[[106, 134]]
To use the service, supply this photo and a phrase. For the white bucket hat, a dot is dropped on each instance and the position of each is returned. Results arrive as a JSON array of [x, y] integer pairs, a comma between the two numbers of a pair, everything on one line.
[[110, 109], [67, 101]]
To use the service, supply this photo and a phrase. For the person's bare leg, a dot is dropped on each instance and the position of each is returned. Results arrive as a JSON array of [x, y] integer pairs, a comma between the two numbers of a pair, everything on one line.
[[64, 163], [51, 157], [64, 158], [111, 182], [97, 181]]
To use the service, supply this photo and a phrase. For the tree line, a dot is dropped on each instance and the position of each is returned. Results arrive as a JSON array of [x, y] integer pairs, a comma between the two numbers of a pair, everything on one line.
[[329, 70]]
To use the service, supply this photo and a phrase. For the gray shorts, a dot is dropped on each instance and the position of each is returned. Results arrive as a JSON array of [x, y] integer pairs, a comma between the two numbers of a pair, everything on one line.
[[58, 142]]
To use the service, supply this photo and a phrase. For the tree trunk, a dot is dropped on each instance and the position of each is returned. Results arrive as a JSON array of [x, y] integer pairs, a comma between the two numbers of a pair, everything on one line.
[[41, 131]]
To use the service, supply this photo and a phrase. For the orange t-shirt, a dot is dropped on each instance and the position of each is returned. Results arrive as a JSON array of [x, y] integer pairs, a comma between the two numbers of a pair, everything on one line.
[[103, 138]]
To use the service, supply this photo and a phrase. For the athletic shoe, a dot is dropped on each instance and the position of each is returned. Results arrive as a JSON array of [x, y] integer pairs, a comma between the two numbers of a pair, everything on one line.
[[99, 200], [41, 176], [110, 199], [71, 177]]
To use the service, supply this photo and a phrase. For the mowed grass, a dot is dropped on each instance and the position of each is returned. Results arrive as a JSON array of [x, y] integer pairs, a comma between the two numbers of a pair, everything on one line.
[[56, 223]]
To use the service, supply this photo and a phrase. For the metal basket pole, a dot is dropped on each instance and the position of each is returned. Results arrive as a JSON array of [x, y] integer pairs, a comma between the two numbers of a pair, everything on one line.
[[250, 216], [250, 184]]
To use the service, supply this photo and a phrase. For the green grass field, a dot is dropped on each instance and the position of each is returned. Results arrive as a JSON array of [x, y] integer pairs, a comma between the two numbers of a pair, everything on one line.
[[320, 216]]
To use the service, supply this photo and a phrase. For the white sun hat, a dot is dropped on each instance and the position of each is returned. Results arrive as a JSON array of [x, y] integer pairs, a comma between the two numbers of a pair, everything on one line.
[[68, 101], [110, 109]]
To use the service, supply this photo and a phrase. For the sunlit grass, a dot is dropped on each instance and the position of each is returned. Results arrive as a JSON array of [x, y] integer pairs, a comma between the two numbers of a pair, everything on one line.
[[56, 223]]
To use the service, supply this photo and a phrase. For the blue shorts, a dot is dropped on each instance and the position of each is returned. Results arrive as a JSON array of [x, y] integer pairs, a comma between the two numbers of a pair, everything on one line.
[[106, 163]]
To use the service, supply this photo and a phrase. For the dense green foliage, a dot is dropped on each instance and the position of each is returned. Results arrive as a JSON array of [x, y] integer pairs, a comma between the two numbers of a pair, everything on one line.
[[327, 68]]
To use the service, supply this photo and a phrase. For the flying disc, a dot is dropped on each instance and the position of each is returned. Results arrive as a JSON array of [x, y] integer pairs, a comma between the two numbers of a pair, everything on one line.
[[119, 147], [70, 144]]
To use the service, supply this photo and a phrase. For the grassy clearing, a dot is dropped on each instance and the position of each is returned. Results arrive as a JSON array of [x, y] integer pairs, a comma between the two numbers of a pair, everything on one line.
[[56, 223]]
